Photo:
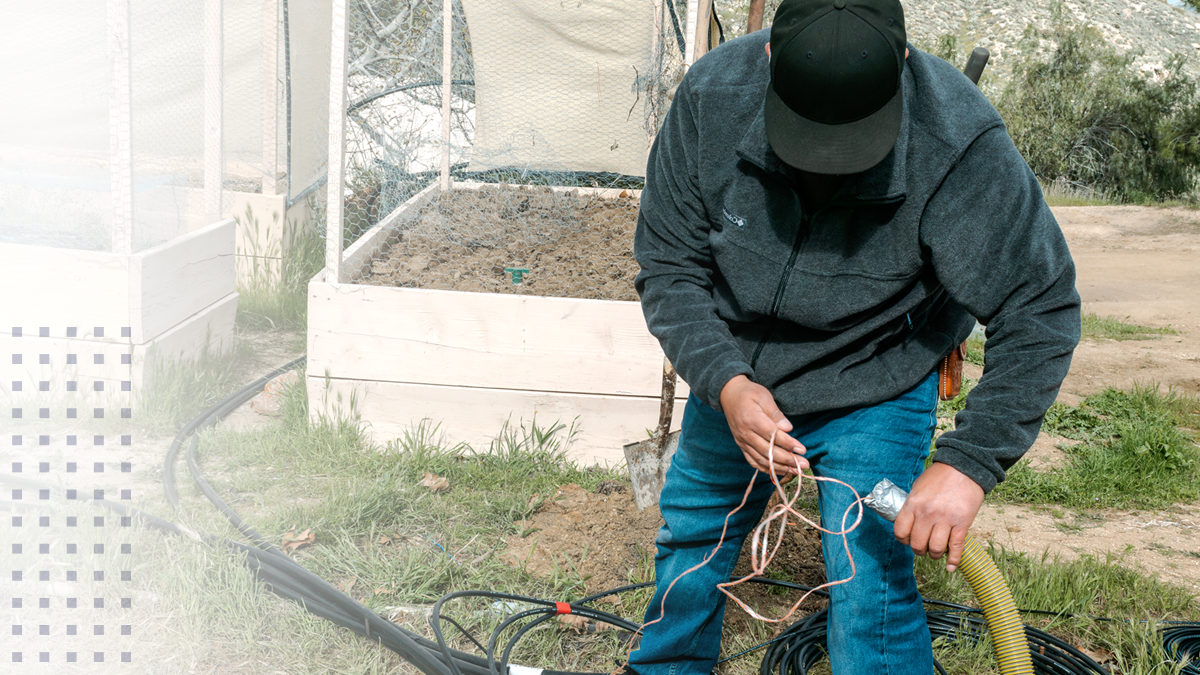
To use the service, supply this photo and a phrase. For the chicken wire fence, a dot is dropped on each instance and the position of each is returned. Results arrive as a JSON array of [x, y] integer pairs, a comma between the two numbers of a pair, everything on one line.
[[147, 117], [530, 183]]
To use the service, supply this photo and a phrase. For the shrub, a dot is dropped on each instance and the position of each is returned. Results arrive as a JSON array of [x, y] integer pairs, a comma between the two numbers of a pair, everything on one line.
[[1085, 116]]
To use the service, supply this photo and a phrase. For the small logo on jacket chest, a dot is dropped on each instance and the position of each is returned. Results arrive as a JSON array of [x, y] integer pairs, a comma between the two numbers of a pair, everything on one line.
[[733, 220]]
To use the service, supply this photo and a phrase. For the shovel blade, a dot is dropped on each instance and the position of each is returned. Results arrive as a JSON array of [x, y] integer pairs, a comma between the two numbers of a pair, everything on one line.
[[648, 462]]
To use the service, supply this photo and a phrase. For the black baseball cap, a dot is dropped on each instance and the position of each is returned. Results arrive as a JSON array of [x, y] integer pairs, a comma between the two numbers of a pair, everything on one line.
[[835, 100]]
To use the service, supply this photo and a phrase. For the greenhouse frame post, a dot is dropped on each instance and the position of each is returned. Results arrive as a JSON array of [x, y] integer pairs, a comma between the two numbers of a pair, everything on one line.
[[339, 45], [120, 121], [689, 33], [214, 124], [703, 29], [447, 71], [270, 94]]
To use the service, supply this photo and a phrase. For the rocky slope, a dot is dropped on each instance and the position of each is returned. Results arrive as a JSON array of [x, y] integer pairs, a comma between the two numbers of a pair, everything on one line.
[[1154, 27]]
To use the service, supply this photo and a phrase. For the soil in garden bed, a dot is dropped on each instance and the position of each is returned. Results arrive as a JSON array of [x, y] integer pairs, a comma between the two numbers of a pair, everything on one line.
[[577, 246]]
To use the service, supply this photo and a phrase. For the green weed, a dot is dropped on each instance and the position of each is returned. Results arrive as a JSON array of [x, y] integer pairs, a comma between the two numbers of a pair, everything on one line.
[[1136, 450], [953, 406], [1110, 328], [275, 295], [175, 390], [1058, 196], [1086, 587], [975, 348], [1084, 116]]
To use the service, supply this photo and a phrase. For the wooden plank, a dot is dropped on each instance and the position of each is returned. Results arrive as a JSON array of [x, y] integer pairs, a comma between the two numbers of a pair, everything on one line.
[[214, 125], [260, 223], [120, 117], [689, 35], [257, 272], [171, 282], [60, 288], [703, 29], [604, 424], [357, 259], [270, 97], [338, 49], [69, 387], [482, 340], [210, 328], [447, 69]]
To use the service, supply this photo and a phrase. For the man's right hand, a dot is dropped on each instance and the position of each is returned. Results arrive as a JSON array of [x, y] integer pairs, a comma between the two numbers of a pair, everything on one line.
[[753, 417]]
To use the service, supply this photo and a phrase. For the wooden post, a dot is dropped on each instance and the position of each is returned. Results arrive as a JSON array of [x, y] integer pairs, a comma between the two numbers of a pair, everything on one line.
[[703, 29], [447, 74], [689, 33], [214, 159], [270, 97], [754, 22], [656, 60], [120, 126], [656, 34], [337, 142]]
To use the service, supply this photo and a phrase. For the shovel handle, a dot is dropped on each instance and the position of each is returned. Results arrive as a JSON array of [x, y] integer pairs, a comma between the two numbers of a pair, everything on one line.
[[976, 64], [666, 406]]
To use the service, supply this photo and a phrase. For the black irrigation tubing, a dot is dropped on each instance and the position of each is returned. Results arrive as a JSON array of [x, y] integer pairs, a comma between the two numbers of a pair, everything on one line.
[[793, 652], [1180, 643], [803, 645]]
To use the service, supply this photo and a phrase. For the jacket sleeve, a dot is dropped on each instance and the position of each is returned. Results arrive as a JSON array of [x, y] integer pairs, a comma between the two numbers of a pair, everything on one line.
[[999, 252], [671, 245]]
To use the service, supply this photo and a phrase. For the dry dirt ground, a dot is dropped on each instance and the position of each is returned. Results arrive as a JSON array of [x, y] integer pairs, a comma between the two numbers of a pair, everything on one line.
[[1141, 265]]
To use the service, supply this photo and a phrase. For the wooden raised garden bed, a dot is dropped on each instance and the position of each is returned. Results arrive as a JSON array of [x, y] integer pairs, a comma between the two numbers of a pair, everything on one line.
[[99, 314], [470, 360]]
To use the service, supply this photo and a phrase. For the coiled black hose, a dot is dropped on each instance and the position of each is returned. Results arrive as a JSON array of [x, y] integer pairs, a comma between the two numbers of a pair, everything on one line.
[[1181, 642]]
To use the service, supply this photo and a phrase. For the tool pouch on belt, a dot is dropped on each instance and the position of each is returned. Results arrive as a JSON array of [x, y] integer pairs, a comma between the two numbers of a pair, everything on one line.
[[950, 373]]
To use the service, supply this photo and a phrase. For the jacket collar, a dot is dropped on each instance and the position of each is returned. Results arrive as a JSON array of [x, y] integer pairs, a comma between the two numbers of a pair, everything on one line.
[[884, 182]]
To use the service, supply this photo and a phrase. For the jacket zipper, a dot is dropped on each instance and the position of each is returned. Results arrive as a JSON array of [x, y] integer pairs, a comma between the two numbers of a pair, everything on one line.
[[801, 234]]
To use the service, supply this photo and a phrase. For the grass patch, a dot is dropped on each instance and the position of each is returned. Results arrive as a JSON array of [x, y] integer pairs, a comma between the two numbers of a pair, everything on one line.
[[975, 346], [274, 294], [1075, 200], [175, 390], [397, 546], [953, 406], [1088, 588], [1110, 328], [392, 543], [1137, 449]]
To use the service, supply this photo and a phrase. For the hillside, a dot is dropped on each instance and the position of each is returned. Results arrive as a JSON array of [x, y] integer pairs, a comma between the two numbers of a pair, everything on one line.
[[1153, 26]]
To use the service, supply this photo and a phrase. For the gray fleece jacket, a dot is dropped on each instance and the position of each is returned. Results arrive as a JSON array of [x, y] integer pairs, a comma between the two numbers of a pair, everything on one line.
[[857, 302]]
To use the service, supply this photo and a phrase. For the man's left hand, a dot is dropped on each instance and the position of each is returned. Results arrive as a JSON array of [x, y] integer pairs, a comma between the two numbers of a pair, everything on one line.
[[939, 512]]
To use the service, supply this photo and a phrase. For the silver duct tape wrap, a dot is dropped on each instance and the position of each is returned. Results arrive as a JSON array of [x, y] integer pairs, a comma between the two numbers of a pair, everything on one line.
[[886, 499]]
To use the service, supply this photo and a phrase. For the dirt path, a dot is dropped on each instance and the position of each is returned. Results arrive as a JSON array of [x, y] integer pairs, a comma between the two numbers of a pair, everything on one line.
[[1141, 265]]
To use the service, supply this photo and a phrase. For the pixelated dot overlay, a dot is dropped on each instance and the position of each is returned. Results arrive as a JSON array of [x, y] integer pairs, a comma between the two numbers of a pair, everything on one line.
[[67, 596]]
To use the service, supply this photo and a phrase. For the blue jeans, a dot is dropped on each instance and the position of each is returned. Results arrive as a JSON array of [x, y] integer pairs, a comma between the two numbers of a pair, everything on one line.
[[877, 622]]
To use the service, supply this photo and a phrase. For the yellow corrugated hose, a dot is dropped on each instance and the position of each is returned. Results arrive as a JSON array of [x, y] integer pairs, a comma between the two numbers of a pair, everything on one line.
[[999, 611], [991, 591]]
